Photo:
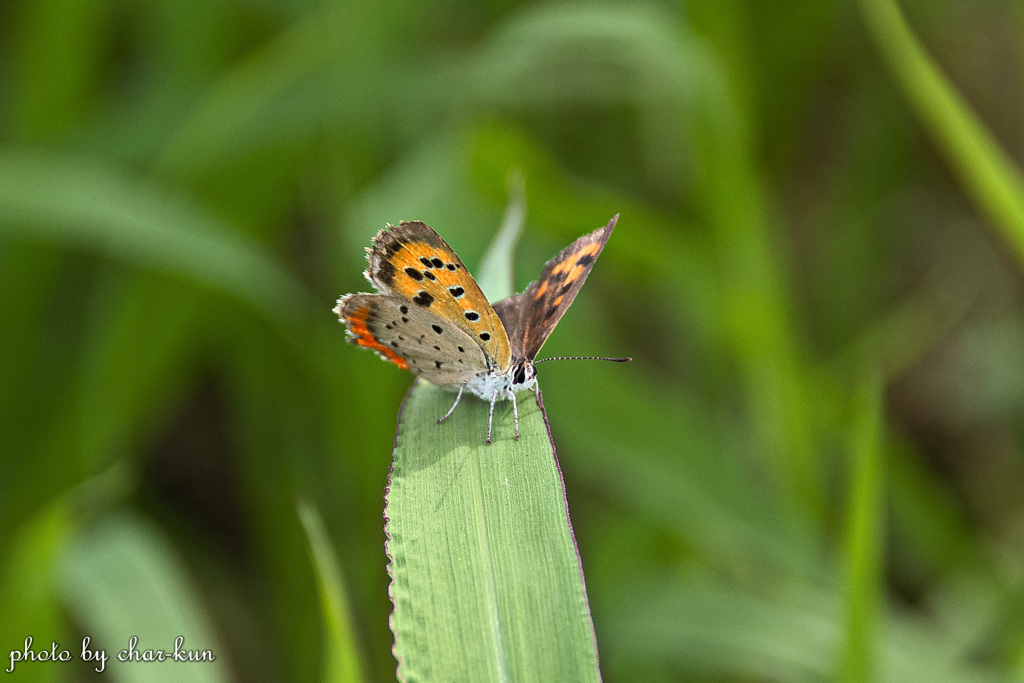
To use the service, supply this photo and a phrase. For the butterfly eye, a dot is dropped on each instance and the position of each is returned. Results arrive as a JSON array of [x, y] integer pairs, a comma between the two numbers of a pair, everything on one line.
[[523, 374]]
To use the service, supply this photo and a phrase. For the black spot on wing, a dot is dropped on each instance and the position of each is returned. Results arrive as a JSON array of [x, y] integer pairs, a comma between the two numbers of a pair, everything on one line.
[[423, 299], [486, 336], [438, 364], [425, 261], [413, 273], [403, 308], [457, 292], [438, 263], [430, 276], [472, 316], [450, 266], [585, 260], [436, 328]]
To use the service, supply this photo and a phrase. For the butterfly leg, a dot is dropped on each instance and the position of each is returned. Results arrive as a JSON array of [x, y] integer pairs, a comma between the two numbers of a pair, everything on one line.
[[515, 414], [490, 416], [452, 409]]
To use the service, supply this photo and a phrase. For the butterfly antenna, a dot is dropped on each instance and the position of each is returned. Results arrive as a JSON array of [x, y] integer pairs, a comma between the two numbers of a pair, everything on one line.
[[613, 360]]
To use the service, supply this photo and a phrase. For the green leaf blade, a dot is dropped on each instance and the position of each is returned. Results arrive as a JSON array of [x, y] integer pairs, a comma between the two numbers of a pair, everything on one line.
[[495, 275], [988, 173], [865, 536], [486, 578], [341, 649], [122, 579]]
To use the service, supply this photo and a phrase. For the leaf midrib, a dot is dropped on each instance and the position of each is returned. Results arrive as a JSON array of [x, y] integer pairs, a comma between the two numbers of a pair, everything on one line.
[[483, 538]]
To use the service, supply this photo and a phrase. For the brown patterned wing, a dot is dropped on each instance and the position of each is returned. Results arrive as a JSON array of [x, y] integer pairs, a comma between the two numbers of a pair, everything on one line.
[[411, 338], [530, 317], [414, 263]]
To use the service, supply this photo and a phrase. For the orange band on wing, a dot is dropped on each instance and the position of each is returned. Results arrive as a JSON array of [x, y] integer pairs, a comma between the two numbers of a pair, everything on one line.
[[361, 336], [571, 263]]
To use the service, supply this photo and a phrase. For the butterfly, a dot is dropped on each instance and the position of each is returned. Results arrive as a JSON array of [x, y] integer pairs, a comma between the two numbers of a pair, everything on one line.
[[430, 316]]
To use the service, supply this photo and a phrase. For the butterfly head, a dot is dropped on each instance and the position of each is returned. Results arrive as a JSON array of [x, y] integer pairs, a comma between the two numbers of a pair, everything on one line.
[[523, 375]]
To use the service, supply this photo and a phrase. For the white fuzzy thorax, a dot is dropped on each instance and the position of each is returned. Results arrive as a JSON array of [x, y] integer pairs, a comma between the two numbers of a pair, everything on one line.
[[486, 384]]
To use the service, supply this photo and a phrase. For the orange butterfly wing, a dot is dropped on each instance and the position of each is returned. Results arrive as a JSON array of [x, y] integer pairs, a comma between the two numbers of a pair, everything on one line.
[[413, 262], [531, 316]]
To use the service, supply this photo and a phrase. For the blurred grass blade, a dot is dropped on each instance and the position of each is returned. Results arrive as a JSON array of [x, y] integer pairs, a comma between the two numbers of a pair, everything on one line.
[[85, 203], [341, 649], [707, 629], [986, 171], [29, 605], [864, 540], [224, 119], [486, 578], [121, 579], [495, 275]]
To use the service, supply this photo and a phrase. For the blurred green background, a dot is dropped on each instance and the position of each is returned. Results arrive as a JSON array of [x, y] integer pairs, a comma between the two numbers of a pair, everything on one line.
[[813, 468]]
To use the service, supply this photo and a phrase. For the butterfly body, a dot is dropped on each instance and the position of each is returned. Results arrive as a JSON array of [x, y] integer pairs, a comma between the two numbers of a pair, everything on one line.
[[430, 316]]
